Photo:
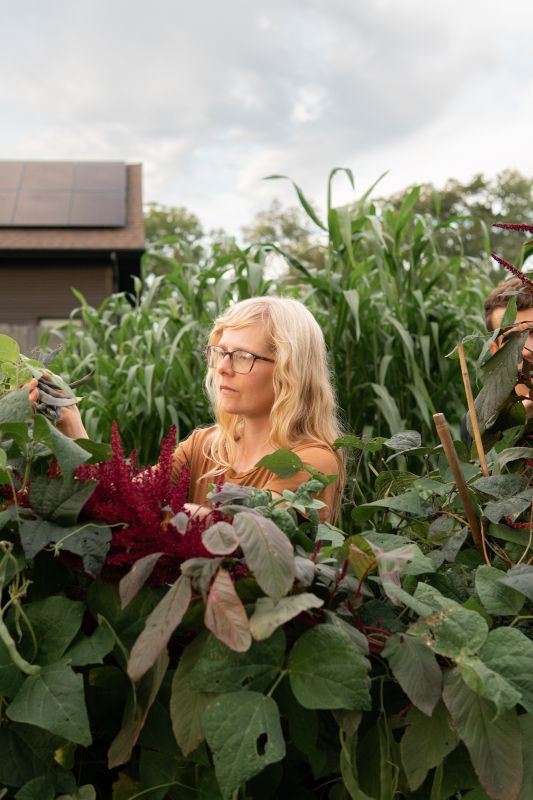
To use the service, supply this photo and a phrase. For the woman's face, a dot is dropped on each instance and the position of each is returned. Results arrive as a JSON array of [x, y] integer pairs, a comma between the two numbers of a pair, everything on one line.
[[250, 395]]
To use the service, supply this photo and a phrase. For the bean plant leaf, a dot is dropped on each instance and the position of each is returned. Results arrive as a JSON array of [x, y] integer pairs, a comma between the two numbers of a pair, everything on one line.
[[268, 552], [366, 445], [57, 500], [521, 579], [496, 597], [187, 705], [244, 734], [327, 670], [55, 622], [92, 649], [54, 700], [86, 792], [501, 486], [268, 616], [225, 615], [220, 539], [508, 507], [509, 652], [220, 669], [87, 540], [426, 743], [159, 627], [135, 579], [494, 743], [487, 683], [451, 629], [284, 463], [41, 788], [406, 440], [499, 379], [15, 406], [415, 668], [136, 711], [408, 503], [27, 753]]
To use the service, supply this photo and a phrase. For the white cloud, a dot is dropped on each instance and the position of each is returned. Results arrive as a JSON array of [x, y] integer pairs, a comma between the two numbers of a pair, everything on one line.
[[213, 96]]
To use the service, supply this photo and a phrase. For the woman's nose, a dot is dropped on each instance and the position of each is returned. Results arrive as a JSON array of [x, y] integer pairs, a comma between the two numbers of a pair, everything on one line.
[[225, 364]]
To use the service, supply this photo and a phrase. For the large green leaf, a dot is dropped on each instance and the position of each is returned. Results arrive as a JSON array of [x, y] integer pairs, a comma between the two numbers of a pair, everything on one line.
[[327, 670], [9, 349], [526, 725], [57, 500], [496, 597], [244, 734], [415, 668], [67, 451], [220, 669], [87, 540], [268, 616], [501, 486], [103, 600], [488, 683], [268, 553], [53, 700], [451, 629], [159, 627], [508, 507], [426, 743], [408, 503], [15, 407], [494, 743], [499, 379], [521, 579], [41, 788], [92, 649], [510, 653], [186, 705], [11, 677], [27, 753], [55, 622]]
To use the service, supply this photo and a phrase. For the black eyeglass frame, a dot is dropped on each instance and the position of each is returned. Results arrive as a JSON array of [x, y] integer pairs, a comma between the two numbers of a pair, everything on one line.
[[213, 348]]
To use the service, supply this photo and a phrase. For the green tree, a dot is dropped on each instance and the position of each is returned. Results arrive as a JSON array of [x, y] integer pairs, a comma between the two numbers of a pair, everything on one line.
[[173, 232], [477, 204]]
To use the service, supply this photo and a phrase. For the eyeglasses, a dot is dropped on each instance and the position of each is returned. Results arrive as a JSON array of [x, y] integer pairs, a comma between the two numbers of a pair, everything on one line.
[[240, 360]]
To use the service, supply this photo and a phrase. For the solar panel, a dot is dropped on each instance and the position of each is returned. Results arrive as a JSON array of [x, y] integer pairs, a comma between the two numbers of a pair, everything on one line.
[[62, 194]]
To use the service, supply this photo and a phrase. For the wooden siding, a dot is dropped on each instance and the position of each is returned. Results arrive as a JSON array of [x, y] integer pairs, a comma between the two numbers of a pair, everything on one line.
[[31, 293]]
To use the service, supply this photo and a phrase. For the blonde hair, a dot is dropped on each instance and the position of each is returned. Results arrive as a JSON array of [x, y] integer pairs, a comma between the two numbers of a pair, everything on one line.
[[305, 407]]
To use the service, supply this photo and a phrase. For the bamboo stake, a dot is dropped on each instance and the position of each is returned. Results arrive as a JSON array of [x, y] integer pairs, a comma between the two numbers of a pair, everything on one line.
[[449, 450], [474, 423]]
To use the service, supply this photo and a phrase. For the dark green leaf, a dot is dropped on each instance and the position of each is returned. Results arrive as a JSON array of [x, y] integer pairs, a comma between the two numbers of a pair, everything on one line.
[[510, 507], [186, 705], [494, 743], [499, 379], [87, 540], [27, 753], [406, 440], [327, 670], [426, 743], [415, 668], [55, 622], [284, 463], [92, 649], [366, 445], [408, 503], [57, 500], [521, 579], [41, 788], [487, 683], [244, 734], [53, 700], [501, 486], [510, 653], [15, 406], [497, 598], [219, 669]]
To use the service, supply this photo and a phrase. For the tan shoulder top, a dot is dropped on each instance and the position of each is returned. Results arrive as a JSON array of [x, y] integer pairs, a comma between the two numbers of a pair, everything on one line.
[[318, 455]]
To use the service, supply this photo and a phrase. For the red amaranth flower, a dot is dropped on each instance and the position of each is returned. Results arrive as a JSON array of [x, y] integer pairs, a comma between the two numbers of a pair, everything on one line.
[[515, 271], [513, 226], [142, 502]]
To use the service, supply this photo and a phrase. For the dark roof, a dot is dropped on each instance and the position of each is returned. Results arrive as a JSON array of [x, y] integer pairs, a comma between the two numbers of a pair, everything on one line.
[[70, 206]]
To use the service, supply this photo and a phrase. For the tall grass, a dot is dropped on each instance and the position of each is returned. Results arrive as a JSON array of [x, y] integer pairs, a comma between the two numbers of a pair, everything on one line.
[[390, 304]]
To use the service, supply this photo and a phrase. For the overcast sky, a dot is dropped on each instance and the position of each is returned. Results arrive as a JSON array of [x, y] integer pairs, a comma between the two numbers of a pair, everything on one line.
[[213, 95]]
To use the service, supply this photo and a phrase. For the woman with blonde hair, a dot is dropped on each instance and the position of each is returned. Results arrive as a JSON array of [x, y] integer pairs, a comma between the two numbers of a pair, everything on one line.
[[269, 385]]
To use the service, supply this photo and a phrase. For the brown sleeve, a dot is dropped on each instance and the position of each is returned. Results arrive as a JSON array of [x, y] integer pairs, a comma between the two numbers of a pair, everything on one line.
[[182, 455]]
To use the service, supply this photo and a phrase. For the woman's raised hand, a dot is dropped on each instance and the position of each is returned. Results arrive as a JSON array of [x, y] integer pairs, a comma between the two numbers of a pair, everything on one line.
[[69, 421]]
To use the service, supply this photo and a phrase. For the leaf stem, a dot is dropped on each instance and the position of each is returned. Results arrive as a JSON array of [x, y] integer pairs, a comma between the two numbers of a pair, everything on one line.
[[278, 680]]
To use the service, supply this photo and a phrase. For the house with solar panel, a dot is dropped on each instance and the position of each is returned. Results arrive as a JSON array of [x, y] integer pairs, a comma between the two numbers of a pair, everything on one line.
[[62, 225]]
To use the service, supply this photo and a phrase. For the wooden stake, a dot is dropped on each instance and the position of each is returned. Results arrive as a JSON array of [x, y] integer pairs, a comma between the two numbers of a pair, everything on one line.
[[449, 450], [474, 423]]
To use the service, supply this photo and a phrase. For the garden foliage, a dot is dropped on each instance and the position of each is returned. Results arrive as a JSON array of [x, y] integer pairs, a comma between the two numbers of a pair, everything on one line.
[[276, 656], [391, 306]]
